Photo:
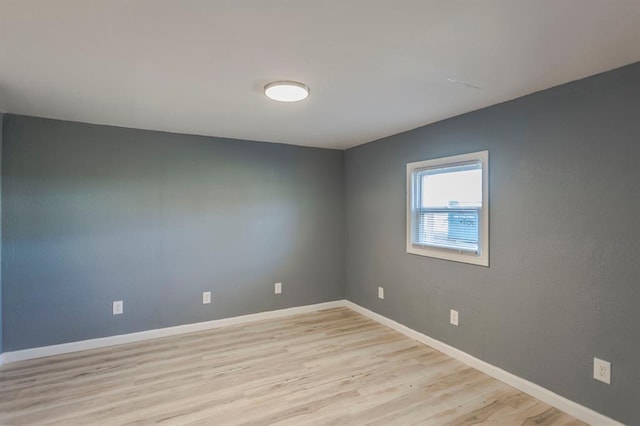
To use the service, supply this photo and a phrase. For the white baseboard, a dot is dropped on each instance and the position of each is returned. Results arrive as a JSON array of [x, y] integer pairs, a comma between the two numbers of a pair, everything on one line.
[[579, 411], [63, 348], [576, 410]]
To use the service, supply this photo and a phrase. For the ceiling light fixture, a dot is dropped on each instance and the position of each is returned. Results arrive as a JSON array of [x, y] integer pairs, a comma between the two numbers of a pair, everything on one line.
[[286, 91]]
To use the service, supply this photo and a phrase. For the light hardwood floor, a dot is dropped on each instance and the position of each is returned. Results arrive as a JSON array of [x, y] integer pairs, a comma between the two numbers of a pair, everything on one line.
[[326, 368]]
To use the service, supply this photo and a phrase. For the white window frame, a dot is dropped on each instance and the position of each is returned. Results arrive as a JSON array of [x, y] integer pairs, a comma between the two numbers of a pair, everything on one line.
[[481, 258]]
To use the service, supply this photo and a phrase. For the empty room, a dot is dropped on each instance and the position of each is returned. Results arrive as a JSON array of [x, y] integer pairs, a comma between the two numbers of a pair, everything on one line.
[[320, 212]]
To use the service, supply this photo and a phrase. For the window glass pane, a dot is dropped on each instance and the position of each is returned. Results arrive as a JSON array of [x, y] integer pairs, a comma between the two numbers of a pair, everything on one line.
[[456, 230], [448, 207], [451, 187]]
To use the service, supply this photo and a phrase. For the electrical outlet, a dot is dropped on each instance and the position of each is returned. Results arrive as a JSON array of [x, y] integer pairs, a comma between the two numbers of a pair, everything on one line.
[[206, 297], [602, 370], [277, 289], [118, 307], [381, 293], [453, 317]]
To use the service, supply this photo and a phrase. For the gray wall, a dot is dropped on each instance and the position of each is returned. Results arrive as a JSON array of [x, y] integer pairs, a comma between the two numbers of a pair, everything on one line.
[[93, 214], [563, 284]]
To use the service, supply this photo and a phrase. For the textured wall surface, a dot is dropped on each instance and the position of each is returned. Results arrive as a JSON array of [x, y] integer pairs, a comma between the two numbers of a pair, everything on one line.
[[563, 282], [93, 214]]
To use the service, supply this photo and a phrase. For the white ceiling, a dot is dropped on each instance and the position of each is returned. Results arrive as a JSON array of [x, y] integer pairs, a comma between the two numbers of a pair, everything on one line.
[[375, 67]]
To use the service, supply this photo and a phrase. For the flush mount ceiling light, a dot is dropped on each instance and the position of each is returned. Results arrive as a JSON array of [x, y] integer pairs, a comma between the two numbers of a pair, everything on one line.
[[286, 91]]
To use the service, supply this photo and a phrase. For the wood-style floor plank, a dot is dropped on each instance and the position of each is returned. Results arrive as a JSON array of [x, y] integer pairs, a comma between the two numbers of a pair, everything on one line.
[[331, 367]]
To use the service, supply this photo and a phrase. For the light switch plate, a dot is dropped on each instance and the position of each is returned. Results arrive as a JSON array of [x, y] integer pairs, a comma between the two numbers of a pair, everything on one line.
[[453, 317]]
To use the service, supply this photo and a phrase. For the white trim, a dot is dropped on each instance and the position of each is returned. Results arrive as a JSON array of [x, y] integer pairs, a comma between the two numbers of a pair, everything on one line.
[[482, 258], [579, 411], [572, 408], [120, 339]]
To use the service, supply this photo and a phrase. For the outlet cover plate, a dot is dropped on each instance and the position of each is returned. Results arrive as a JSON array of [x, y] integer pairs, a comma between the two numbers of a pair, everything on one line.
[[380, 293], [118, 307], [602, 370], [277, 289], [206, 297]]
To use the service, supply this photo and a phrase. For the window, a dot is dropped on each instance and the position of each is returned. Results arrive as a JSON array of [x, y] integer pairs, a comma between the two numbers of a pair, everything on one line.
[[448, 208]]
